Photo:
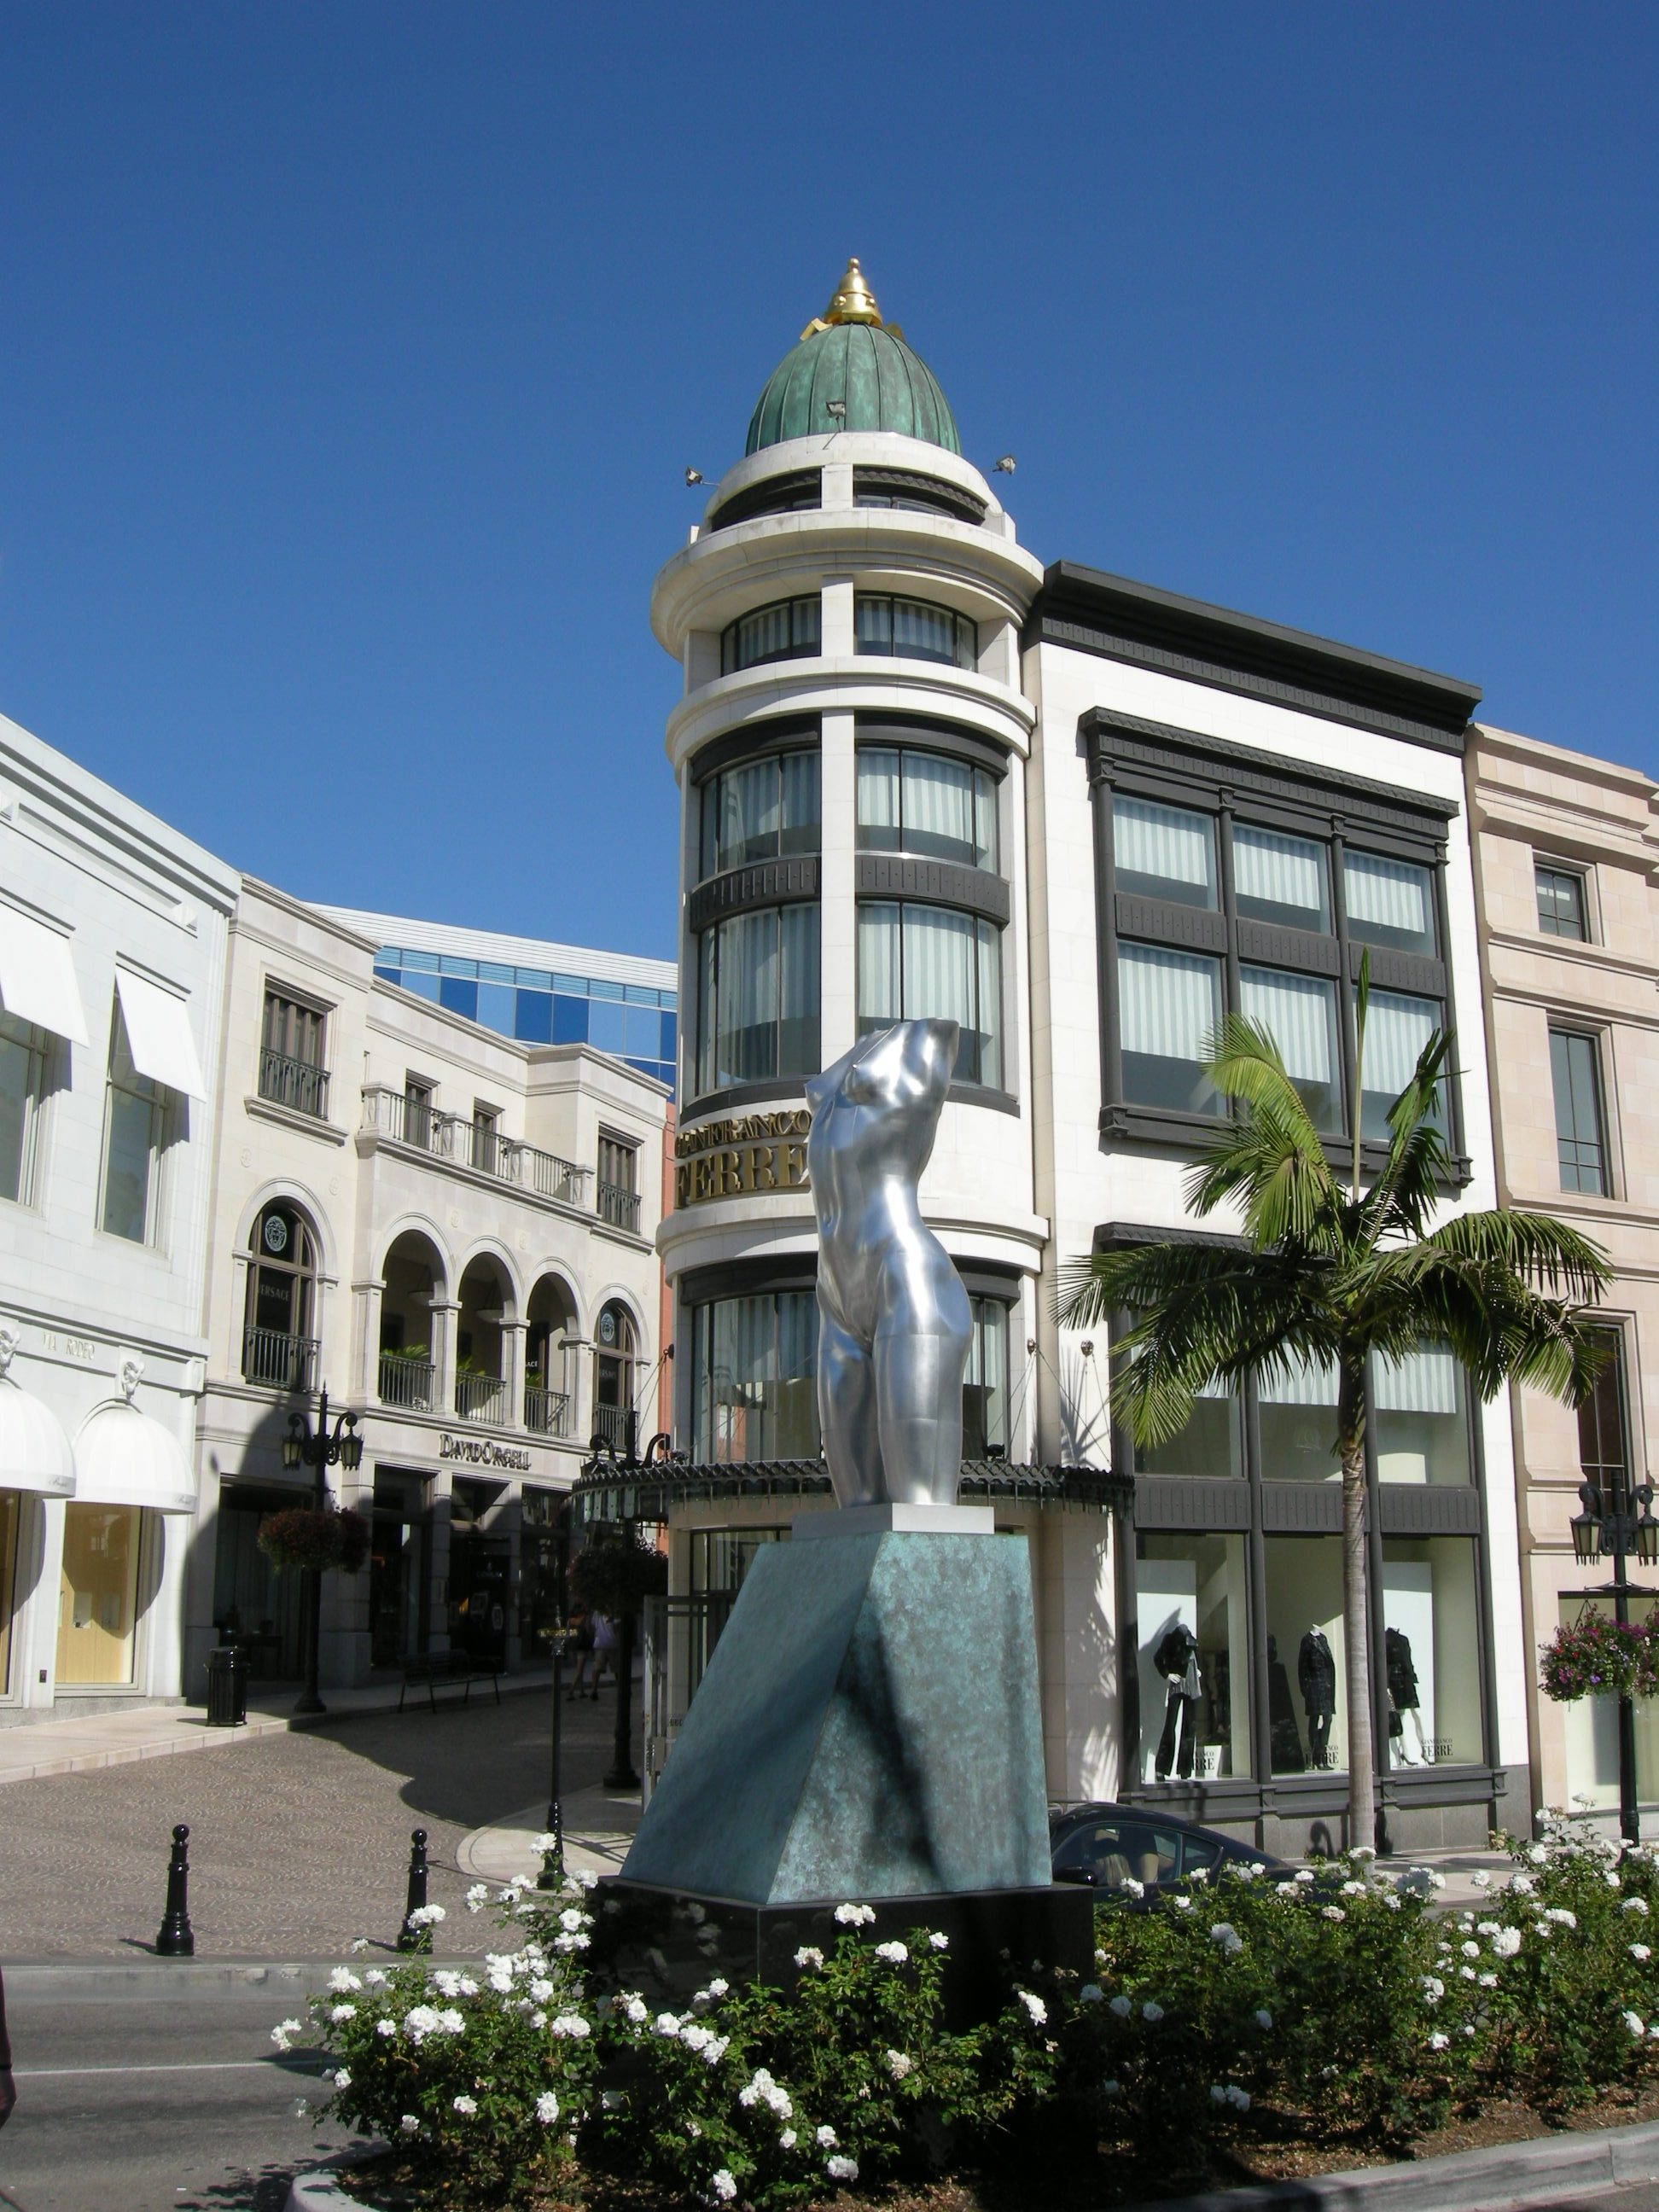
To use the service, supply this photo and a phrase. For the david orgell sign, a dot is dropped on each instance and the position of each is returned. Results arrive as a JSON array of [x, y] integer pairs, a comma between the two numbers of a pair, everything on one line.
[[484, 1451]]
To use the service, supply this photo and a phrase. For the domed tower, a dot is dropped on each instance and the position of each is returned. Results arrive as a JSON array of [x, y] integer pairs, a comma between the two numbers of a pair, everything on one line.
[[851, 749]]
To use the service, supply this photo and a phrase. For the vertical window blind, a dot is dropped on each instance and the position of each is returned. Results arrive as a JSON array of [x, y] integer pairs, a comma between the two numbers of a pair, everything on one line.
[[1396, 1030], [1170, 1002], [1165, 843], [1296, 1013], [1278, 870], [1420, 1381], [1390, 893]]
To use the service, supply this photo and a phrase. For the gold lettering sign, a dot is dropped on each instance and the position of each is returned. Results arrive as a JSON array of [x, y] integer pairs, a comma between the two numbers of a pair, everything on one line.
[[734, 1158]]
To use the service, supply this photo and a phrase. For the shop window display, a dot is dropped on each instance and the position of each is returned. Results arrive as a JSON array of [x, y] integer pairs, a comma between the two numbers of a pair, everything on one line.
[[1194, 1656], [97, 1598], [1432, 1650], [1306, 1670], [1590, 1726]]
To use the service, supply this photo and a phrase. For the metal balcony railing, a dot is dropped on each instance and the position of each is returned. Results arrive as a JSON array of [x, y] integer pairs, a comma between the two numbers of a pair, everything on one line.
[[277, 1361], [550, 1177], [482, 1398], [611, 1422], [298, 1084], [619, 1206], [546, 1411], [474, 1145], [407, 1382]]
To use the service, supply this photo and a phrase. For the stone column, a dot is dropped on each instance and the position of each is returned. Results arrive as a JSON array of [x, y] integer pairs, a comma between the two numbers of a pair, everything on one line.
[[444, 1313]]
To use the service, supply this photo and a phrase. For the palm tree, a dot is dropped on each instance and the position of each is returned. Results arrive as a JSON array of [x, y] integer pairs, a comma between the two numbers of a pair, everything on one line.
[[1327, 1273]]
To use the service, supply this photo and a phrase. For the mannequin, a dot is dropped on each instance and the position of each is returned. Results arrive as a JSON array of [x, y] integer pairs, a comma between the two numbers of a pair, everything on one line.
[[1176, 1659], [1402, 1696], [1315, 1670], [1286, 1737]]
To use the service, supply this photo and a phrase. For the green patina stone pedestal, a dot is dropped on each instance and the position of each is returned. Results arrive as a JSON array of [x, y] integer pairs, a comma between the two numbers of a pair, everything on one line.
[[868, 1728]]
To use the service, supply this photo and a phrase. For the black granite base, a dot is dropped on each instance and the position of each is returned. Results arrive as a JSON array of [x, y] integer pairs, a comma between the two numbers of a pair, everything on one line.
[[667, 1944]]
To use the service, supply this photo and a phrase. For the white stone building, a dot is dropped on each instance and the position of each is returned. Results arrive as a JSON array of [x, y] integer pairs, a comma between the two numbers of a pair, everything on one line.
[[112, 936], [919, 773], [452, 1232]]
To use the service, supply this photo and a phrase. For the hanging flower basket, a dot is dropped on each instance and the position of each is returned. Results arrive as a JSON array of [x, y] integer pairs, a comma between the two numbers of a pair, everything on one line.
[[1595, 1658], [301, 1536], [615, 1573]]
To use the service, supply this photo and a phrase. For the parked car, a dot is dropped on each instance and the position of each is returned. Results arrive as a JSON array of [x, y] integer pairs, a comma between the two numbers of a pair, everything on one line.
[[1105, 1847]]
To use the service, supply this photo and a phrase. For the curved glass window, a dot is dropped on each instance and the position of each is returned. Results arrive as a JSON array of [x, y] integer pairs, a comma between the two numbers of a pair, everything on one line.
[[754, 1378], [914, 629], [985, 1382], [788, 629], [761, 811], [757, 997], [926, 804], [915, 961]]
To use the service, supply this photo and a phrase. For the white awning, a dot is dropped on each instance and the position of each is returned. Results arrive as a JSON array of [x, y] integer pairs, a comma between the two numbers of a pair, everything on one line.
[[37, 975], [158, 1034], [34, 1453], [122, 1458]]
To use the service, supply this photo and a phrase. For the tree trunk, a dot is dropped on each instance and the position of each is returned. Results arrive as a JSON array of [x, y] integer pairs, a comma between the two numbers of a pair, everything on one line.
[[1355, 1607]]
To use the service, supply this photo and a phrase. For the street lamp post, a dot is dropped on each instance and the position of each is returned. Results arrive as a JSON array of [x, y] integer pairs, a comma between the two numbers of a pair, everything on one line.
[[318, 1448], [1612, 1531], [552, 1874]]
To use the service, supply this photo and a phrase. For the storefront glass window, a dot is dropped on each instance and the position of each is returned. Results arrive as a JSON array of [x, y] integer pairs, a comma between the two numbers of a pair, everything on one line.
[[721, 1558], [1307, 1671], [1591, 1725], [1431, 1654], [754, 1378], [98, 1599], [398, 1569], [255, 1608], [1420, 1414], [9, 1517], [985, 1386], [1298, 1425], [1211, 1443], [1193, 1657]]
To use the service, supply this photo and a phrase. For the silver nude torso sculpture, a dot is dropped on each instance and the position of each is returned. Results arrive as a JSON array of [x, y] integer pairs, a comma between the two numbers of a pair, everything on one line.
[[894, 1323]]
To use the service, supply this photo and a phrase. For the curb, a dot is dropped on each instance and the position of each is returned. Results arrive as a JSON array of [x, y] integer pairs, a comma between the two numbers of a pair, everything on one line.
[[43, 1977], [1505, 2179], [1502, 2180]]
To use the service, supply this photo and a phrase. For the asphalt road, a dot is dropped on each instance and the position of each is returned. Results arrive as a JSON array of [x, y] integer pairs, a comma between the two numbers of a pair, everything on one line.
[[147, 2100]]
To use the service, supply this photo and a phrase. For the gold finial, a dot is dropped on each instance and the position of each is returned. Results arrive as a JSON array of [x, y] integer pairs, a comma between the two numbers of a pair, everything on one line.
[[853, 303]]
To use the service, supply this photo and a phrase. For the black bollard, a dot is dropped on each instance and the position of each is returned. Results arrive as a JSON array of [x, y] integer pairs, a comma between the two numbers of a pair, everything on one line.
[[177, 1939], [410, 1938]]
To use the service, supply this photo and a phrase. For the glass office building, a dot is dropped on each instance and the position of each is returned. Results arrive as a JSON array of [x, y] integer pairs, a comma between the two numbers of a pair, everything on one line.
[[539, 993]]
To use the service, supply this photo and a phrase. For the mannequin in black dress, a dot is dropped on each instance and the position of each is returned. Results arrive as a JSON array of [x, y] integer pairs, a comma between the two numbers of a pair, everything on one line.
[[1176, 1659], [1316, 1671]]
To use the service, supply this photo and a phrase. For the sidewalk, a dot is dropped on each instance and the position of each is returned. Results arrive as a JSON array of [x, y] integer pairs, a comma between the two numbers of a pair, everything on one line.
[[599, 1828], [83, 1746]]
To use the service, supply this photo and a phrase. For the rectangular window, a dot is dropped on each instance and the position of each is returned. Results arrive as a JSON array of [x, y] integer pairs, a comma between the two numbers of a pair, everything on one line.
[[1169, 1009], [291, 1058], [1307, 1667], [1298, 1413], [757, 997], [1397, 1027], [1279, 879], [1580, 1131], [1299, 1013], [132, 1146], [1603, 1427], [1164, 852], [1432, 1650], [98, 1594], [1420, 1413], [925, 804], [22, 1076], [918, 961], [1390, 902], [1562, 909], [914, 629], [1211, 1444], [1194, 1654], [985, 1383], [487, 1147], [764, 811], [619, 1182], [788, 629], [754, 1379], [417, 1113]]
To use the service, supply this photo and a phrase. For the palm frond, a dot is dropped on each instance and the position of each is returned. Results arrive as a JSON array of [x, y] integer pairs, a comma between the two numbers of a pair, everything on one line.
[[1272, 1159], [1546, 1253]]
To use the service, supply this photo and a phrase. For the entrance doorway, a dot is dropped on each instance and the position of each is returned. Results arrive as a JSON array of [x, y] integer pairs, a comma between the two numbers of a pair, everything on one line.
[[254, 1606], [400, 1568]]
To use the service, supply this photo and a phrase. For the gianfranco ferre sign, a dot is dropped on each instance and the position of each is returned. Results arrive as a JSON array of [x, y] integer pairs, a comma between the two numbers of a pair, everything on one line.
[[481, 1451], [748, 1153]]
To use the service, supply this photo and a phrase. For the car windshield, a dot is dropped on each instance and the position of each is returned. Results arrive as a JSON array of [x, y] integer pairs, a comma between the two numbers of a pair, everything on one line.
[[1116, 1850]]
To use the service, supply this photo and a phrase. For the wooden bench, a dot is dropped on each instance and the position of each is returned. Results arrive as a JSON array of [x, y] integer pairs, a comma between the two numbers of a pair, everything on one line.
[[432, 1671]]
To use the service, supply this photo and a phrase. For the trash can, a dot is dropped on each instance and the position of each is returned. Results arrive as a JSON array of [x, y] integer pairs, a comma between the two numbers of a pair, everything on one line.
[[227, 1687]]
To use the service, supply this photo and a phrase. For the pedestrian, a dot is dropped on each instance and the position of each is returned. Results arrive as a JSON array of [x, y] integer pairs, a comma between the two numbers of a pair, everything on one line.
[[605, 1650], [581, 1643], [8, 2087]]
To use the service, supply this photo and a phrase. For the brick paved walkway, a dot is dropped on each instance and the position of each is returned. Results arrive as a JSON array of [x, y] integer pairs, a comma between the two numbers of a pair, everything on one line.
[[298, 1842]]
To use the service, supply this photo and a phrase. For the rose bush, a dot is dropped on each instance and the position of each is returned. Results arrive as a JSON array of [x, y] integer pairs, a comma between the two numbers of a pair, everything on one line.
[[1343, 2001]]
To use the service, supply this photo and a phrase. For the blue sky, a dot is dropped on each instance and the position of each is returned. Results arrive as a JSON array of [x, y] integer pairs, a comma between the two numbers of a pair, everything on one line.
[[355, 352]]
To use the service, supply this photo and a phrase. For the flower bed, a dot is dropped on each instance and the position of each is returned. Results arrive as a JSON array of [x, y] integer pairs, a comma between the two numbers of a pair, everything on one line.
[[1335, 2008]]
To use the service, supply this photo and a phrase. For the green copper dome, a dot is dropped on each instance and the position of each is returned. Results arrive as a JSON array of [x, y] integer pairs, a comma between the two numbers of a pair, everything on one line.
[[867, 366]]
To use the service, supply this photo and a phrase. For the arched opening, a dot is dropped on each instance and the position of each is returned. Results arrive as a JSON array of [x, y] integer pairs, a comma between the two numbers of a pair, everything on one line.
[[615, 1352], [550, 1322], [480, 1386], [279, 1319], [410, 1275]]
